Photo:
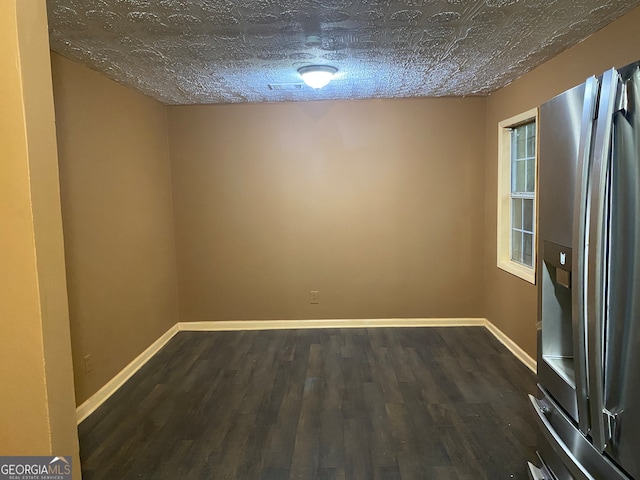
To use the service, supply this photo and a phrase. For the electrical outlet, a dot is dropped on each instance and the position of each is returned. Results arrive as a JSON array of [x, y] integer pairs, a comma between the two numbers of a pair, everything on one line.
[[88, 363], [315, 296]]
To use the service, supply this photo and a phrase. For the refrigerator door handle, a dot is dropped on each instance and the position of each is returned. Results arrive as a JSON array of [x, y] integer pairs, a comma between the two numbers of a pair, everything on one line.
[[612, 424], [579, 239], [578, 472], [596, 248]]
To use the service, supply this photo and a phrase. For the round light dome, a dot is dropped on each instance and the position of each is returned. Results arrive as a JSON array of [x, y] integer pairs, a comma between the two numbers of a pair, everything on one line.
[[317, 76]]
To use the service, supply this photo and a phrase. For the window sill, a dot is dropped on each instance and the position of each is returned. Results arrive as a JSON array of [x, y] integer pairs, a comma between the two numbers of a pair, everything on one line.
[[525, 273]]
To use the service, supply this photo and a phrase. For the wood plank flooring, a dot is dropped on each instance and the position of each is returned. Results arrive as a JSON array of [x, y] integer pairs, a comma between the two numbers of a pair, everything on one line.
[[405, 403]]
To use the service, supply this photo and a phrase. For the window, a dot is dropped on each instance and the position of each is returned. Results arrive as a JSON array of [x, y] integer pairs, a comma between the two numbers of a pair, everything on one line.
[[517, 162]]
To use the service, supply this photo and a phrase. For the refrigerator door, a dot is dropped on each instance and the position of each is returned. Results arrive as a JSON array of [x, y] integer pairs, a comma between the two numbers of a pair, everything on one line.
[[597, 255], [622, 347], [580, 229], [566, 142], [560, 174]]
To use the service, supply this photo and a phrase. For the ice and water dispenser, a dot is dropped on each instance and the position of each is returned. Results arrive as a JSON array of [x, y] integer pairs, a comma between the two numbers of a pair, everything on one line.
[[556, 335]]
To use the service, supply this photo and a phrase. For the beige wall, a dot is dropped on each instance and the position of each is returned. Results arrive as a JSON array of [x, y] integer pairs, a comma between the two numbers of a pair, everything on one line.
[[510, 302], [117, 213], [37, 415], [375, 204]]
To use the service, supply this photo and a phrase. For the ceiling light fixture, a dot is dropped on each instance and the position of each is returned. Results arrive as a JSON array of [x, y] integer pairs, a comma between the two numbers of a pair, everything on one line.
[[317, 76]]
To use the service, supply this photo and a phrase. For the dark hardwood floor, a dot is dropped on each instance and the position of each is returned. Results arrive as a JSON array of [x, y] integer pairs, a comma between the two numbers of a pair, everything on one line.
[[405, 403]]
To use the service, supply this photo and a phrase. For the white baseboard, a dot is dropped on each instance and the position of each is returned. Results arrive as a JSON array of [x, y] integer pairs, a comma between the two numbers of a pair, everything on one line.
[[512, 346], [328, 323], [101, 396], [97, 399]]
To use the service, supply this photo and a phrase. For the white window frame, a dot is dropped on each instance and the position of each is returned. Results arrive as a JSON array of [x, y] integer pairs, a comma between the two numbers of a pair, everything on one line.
[[504, 197]]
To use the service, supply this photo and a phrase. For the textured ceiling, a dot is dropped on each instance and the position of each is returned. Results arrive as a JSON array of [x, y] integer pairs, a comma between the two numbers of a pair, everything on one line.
[[230, 51]]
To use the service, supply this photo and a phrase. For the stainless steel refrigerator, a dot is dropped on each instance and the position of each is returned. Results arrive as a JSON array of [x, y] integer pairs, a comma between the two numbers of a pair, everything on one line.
[[588, 405]]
